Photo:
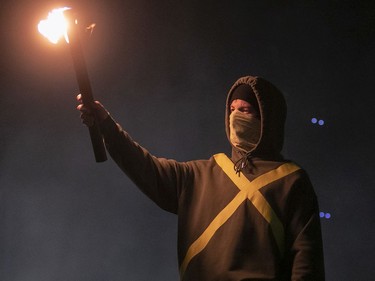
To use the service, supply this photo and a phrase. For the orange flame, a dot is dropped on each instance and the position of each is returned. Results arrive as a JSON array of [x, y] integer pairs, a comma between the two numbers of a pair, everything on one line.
[[55, 26]]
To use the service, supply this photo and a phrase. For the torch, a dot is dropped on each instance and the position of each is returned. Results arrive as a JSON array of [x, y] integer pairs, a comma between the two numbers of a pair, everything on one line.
[[62, 23]]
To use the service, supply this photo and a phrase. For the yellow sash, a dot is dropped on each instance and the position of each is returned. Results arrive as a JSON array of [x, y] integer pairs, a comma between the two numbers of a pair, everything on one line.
[[248, 190]]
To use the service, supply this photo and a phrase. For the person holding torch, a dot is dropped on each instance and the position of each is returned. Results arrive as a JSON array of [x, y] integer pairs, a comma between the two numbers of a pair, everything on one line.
[[249, 216]]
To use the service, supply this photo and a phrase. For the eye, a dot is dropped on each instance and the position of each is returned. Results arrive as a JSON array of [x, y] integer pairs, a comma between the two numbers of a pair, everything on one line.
[[246, 110]]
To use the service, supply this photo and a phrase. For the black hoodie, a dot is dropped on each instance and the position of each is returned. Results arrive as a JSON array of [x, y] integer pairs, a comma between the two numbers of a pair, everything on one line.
[[259, 224]]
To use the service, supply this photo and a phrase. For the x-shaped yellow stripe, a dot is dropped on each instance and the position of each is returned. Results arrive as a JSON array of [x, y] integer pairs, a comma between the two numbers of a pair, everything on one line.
[[248, 190]]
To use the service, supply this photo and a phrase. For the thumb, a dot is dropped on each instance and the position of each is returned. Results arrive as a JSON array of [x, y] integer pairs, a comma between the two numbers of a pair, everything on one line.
[[100, 111]]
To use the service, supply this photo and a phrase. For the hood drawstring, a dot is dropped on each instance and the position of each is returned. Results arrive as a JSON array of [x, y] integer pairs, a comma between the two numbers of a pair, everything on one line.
[[243, 162]]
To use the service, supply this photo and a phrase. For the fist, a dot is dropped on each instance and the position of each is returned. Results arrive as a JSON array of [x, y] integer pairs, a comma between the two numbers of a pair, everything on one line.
[[89, 113]]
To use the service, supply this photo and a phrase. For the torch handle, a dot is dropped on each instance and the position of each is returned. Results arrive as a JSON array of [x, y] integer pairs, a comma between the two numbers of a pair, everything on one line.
[[86, 92], [97, 143]]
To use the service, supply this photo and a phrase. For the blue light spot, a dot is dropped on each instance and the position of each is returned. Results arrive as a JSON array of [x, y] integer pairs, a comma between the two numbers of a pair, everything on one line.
[[321, 122], [314, 120], [325, 215]]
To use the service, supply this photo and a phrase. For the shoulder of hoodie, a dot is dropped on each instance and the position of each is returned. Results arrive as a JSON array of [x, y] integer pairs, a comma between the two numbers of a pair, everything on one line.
[[262, 165]]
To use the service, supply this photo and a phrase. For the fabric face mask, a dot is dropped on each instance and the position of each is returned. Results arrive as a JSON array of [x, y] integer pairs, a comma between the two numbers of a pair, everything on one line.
[[244, 130]]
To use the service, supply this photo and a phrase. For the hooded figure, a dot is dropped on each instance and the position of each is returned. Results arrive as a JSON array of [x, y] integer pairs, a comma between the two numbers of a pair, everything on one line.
[[251, 216], [272, 114]]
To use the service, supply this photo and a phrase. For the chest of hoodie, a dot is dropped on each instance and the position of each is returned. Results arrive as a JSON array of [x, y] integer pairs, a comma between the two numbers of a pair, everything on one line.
[[211, 190]]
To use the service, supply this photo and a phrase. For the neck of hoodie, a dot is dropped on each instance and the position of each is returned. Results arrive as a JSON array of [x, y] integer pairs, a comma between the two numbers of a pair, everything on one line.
[[244, 162]]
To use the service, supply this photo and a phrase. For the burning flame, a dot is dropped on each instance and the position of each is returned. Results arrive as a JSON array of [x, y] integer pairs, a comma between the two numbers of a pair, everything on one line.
[[55, 26]]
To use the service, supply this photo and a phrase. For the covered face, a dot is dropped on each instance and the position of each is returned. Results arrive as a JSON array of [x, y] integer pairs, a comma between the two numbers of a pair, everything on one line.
[[244, 119], [255, 117]]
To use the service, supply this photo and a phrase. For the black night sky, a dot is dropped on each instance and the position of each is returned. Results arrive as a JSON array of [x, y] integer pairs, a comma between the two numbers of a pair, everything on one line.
[[163, 69]]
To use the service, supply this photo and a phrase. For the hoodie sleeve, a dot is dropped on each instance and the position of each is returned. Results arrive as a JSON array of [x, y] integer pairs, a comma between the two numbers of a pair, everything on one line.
[[159, 178], [304, 233]]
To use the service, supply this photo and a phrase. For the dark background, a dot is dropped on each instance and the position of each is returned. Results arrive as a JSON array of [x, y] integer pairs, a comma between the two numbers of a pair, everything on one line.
[[163, 69]]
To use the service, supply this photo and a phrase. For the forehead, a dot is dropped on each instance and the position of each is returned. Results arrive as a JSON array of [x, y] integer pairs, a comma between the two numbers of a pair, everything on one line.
[[240, 103]]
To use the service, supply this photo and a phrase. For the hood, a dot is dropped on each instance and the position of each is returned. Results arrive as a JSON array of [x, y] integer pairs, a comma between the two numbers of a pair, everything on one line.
[[272, 109]]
